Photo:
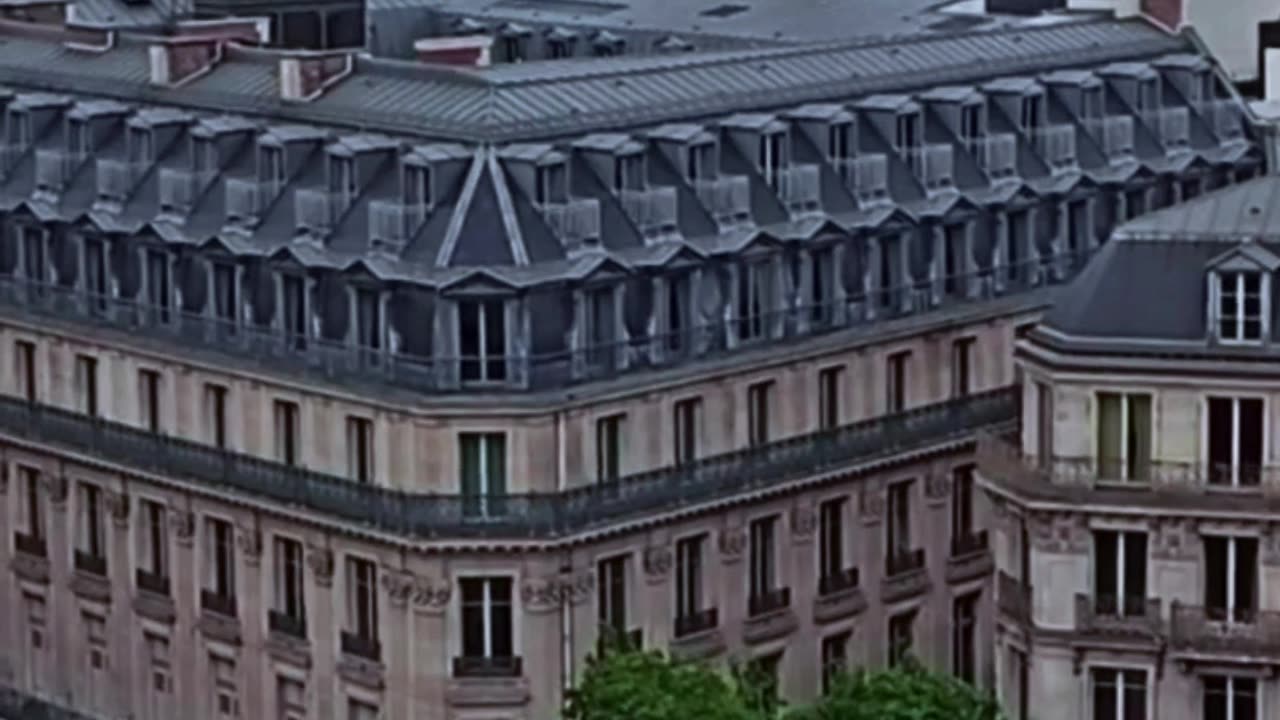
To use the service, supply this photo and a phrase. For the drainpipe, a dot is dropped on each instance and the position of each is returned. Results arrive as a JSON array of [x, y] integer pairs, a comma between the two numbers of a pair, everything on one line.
[[566, 574]]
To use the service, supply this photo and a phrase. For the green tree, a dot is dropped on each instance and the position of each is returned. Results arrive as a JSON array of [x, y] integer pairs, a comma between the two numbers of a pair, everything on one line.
[[908, 692], [622, 685]]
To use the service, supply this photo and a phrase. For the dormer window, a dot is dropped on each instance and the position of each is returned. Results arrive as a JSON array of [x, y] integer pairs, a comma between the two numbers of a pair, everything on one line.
[[271, 164], [513, 49], [559, 49], [34, 240], [908, 132], [1240, 314], [772, 156], [368, 318], [141, 150], [19, 129], [417, 185], [225, 295], [754, 298], [294, 310], [1148, 98], [1032, 113], [203, 155], [482, 340], [342, 176], [971, 125], [96, 285], [839, 141], [551, 184], [78, 144], [1091, 103], [628, 172], [159, 283], [702, 162]]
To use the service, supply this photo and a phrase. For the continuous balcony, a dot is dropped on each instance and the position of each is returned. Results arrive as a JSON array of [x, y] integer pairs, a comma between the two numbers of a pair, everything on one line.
[[555, 514], [1198, 634], [867, 177], [653, 210], [727, 199]]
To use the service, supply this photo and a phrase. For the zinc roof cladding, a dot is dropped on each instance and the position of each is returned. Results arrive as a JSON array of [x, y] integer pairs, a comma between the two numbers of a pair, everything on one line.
[[555, 99], [1147, 284]]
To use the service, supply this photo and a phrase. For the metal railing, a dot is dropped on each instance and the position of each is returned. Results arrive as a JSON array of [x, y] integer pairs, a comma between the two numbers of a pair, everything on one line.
[[799, 187], [1111, 615], [842, 581], [154, 583], [576, 221], [179, 189], [1202, 630], [697, 622], [1172, 126], [903, 562], [728, 199], [1057, 145], [315, 210], [1114, 134], [90, 563], [998, 155], [1013, 597], [217, 603], [286, 624], [115, 178], [360, 646], [769, 601], [29, 544], [653, 210], [970, 543], [487, 667], [867, 177]]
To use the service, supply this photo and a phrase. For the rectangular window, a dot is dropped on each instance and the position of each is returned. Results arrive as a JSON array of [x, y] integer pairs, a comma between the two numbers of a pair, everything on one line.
[[215, 414], [901, 636], [1240, 301], [1032, 113], [289, 596], [702, 162], [830, 381], [87, 385], [612, 579], [1228, 697], [484, 473], [154, 536], [602, 324], [629, 172], [159, 284], [24, 369], [487, 630], [34, 263], [961, 366], [360, 465], [294, 290], [689, 576], [835, 658], [754, 299], [908, 132], [1120, 573], [1235, 441], [1044, 425], [679, 312], [961, 503], [362, 599], [368, 318], [823, 273], [964, 629], [1124, 436], [609, 431], [762, 558], [1231, 578], [1119, 694], [33, 502], [772, 156], [898, 527], [149, 399], [92, 540], [96, 274], [758, 413], [220, 559], [686, 414], [971, 125], [226, 698], [896, 381], [288, 432], [482, 342], [551, 184], [831, 537], [839, 145]]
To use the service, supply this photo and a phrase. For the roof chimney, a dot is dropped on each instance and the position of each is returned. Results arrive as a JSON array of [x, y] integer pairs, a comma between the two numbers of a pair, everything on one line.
[[304, 76], [466, 51], [176, 60], [45, 12]]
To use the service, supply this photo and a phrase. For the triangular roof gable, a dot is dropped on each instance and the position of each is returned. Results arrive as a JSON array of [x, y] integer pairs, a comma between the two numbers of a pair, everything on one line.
[[359, 269], [760, 242], [1248, 255], [478, 281], [684, 256], [604, 267], [827, 228], [286, 258], [216, 245]]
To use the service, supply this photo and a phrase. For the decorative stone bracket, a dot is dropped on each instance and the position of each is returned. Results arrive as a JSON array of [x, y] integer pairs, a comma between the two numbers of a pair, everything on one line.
[[871, 505], [657, 563], [732, 541], [549, 593], [320, 560], [250, 542], [118, 508], [804, 521], [184, 525]]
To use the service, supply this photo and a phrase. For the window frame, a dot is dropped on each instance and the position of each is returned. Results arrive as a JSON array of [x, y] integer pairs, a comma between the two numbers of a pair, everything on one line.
[[1129, 470], [490, 605], [485, 499], [830, 383], [1220, 292], [1120, 672], [762, 556], [690, 568], [610, 446], [759, 401]]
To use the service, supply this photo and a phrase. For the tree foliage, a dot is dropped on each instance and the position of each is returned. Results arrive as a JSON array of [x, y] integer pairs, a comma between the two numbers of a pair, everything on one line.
[[906, 693]]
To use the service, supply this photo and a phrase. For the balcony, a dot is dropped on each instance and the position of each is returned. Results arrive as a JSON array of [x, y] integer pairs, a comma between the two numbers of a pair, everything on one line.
[[29, 545], [867, 177], [970, 557], [89, 581], [217, 603], [1201, 634], [393, 223], [180, 189], [315, 210], [698, 622], [89, 563], [1118, 617], [247, 199], [487, 667], [839, 596], [30, 561], [575, 222], [1226, 119], [800, 188], [116, 178], [487, 683], [998, 155], [523, 515], [698, 636], [54, 169], [1013, 599], [611, 638], [359, 646], [653, 210], [153, 583], [905, 576], [770, 601], [286, 624], [1114, 135], [934, 165], [1057, 145], [727, 199], [770, 617], [1172, 126]]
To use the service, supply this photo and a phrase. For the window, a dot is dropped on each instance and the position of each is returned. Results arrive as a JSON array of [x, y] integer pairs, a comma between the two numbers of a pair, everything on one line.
[[149, 399], [702, 162], [215, 414], [679, 312], [362, 599], [609, 447], [204, 154], [368, 318], [291, 699], [289, 596], [628, 172], [1148, 98], [87, 384], [898, 527], [602, 323], [901, 636], [823, 274], [487, 630], [159, 284], [288, 432], [612, 580], [1120, 573], [762, 559], [484, 473], [908, 132], [896, 387], [1119, 694], [971, 125], [1044, 425], [226, 701], [95, 628], [342, 177], [689, 576], [1228, 697], [1032, 113], [831, 537], [765, 672], [1091, 103], [1235, 440], [961, 366], [961, 503], [357, 710], [829, 382], [483, 340], [1240, 302], [551, 184], [154, 537], [141, 149], [835, 658], [92, 538], [758, 413], [1124, 436], [220, 562], [964, 623], [1231, 578], [772, 157], [417, 186], [295, 310], [33, 502], [754, 305], [35, 267], [161, 672], [686, 430], [360, 449], [24, 369], [839, 142]]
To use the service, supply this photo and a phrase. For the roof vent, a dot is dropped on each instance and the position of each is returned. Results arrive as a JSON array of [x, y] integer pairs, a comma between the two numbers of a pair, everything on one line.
[[724, 11]]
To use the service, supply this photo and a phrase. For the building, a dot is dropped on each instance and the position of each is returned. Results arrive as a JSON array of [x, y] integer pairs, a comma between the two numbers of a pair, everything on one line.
[[1136, 539], [337, 386]]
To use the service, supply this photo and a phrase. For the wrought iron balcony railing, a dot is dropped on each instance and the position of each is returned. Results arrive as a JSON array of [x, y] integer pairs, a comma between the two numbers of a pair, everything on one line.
[[697, 622], [970, 543], [361, 646], [1013, 598], [517, 515], [842, 581], [154, 583], [29, 545], [90, 563], [653, 210], [906, 561], [728, 199], [286, 624], [769, 601], [218, 603], [867, 177]]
